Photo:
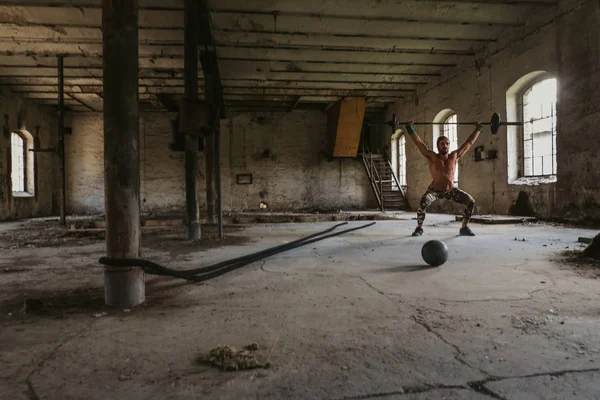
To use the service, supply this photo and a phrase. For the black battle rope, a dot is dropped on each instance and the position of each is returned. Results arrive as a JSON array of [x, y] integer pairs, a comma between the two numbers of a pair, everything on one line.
[[125, 262], [233, 267], [213, 271], [260, 254]]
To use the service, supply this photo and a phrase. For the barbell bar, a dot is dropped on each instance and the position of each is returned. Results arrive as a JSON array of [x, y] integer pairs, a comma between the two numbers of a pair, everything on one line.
[[495, 123]]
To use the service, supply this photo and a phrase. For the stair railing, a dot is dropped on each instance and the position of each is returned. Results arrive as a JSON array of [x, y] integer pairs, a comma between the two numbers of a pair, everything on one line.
[[373, 174], [389, 163]]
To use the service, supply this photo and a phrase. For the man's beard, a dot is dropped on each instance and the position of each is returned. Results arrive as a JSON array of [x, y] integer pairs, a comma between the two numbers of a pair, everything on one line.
[[444, 151]]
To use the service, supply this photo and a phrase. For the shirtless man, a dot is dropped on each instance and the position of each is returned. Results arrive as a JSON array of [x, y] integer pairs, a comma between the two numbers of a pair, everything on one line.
[[442, 166]]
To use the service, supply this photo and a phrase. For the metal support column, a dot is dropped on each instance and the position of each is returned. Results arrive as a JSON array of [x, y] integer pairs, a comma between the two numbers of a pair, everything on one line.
[[210, 178], [191, 142], [217, 137], [123, 286], [213, 93], [61, 141]]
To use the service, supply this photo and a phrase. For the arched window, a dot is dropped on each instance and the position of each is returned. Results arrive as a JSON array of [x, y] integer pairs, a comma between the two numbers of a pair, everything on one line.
[[539, 130], [399, 161], [402, 162], [451, 132], [531, 147], [448, 129], [22, 164], [18, 162]]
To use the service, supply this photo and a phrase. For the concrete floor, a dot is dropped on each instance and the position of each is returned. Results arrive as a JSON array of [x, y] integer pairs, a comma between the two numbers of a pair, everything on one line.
[[358, 316]]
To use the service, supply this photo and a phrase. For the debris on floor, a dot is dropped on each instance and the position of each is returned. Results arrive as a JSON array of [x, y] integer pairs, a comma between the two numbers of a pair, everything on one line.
[[38, 234], [228, 359], [581, 263], [252, 347], [497, 219], [593, 250], [527, 324]]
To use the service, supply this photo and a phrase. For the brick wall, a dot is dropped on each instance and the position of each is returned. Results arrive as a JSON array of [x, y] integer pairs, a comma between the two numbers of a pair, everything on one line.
[[568, 49], [24, 115], [162, 186], [285, 153], [578, 40], [84, 165]]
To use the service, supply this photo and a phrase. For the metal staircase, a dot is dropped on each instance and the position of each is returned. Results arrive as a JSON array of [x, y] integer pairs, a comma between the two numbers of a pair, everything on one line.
[[390, 195]]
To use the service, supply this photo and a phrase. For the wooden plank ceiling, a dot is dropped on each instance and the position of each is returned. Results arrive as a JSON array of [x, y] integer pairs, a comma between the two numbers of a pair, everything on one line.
[[273, 54]]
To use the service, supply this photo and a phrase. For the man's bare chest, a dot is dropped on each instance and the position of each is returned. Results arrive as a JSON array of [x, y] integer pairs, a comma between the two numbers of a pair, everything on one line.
[[442, 165]]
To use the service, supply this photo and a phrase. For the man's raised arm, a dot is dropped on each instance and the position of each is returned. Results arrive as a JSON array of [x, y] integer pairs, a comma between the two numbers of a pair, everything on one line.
[[420, 145], [462, 150]]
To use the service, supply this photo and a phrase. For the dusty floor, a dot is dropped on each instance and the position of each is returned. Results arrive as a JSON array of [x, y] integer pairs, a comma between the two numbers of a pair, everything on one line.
[[359, 316]]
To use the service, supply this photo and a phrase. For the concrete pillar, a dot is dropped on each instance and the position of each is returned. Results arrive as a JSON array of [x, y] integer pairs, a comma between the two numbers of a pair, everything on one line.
[[191, 142], [123, 286]]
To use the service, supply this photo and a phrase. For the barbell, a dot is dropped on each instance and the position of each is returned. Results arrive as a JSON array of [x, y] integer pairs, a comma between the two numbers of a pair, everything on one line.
[[495, 123]]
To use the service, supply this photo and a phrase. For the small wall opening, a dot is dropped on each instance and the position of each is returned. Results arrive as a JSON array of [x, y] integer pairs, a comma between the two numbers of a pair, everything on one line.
[[522, 207]]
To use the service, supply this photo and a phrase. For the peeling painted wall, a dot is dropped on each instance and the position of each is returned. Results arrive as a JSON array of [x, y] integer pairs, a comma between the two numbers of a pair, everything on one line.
[[24, 115], [284, 152], [569, 49], [578, 186], [287, 155], [162, 187]]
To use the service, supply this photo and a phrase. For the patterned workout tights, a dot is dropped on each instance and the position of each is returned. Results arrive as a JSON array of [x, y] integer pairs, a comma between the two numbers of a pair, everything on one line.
[[455, 195]]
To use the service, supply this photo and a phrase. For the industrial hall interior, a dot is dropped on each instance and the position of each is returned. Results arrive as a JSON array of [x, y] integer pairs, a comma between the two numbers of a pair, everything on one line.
[[283, 199]]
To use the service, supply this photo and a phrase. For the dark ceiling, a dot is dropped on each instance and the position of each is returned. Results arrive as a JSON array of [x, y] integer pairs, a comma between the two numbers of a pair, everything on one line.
[[273, 55]]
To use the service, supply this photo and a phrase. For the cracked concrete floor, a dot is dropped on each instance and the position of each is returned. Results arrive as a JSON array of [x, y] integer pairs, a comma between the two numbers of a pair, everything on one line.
[[357, 316]]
